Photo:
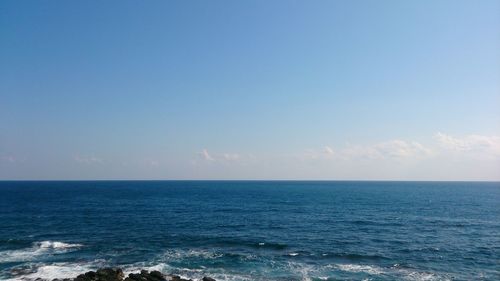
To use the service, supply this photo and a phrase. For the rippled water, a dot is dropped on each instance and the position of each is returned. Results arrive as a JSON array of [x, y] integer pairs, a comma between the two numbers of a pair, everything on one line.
[[266, 230]]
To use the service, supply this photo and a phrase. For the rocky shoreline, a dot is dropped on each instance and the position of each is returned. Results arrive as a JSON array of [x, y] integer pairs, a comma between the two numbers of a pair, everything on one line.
[[116, 274]]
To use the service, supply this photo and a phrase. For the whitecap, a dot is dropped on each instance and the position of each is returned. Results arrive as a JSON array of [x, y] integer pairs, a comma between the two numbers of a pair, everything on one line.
[[193, 253], [424, 276], [56, 245], [59, 270], [36, 250], [218, 274], [370, 269], [137, 267], [395, 270], [305, 271]]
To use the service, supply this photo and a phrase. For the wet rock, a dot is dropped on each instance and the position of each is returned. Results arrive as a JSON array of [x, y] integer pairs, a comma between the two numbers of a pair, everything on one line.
[[110, 274], [177, 278], [157, 275], [135, 277], [104, 274], [88, 276], [116, 274], [146, 276]]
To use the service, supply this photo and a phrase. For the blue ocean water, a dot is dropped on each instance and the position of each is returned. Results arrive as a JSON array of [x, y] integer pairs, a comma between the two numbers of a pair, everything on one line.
[[255, 230]]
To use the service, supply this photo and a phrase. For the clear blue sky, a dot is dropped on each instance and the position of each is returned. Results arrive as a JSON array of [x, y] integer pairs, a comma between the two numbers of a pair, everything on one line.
[[250, 90]]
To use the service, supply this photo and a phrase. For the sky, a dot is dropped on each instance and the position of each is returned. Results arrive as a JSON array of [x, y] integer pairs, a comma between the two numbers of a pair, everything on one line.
[[316, 90]]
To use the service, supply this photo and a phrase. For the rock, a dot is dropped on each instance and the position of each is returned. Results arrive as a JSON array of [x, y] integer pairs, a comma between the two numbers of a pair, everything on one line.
[[146, 276], [177, 278], [135, 277], [104, 274], [110, 274], [89, 276], [157, 275], [116, 274]]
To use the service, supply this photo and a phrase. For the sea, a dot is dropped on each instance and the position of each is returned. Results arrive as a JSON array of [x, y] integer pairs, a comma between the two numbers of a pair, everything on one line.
[[252, 230]]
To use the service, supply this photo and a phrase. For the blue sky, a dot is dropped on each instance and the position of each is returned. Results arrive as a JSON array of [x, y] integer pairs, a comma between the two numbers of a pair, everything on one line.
[[397, 90]]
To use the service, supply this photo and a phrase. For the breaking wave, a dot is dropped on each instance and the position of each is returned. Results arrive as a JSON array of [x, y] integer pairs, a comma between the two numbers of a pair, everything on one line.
[[36, 250]]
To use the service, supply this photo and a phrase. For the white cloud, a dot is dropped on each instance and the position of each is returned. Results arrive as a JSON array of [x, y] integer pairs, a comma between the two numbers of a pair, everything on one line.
[[393, 149], [326, 153], [328, 150], [476, 144], [402, 149], [205, 155], [225, 157], [442, 157]]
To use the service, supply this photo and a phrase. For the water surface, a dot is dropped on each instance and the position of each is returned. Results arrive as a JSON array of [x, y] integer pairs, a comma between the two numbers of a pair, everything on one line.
[[255, 230]]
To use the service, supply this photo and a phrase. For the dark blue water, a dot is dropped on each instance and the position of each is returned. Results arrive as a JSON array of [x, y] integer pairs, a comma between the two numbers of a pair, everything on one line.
[[253, 230]]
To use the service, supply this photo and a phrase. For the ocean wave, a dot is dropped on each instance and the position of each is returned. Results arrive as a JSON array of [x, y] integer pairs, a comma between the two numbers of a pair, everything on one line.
[[395, 272], [286, 271], [306, 272], [354, 256], [137, 267], [369, 269], [424, 276], [37, 250], [55, 270], [191, 253], [223, 266], [219, 274], [56, 245], [204, 256]]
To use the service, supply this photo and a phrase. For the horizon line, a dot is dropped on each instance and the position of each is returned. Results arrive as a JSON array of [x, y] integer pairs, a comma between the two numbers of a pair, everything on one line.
[[242, 180]]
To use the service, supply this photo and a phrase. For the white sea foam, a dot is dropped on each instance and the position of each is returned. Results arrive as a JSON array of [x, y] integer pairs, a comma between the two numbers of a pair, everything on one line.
[[56, 245], [37, 250], [188, 273], [167, 263], [370, 269], [424, 276], [137, 267], [395, 271], [306, 272], [193, 253], [303, 271], [58, 270]]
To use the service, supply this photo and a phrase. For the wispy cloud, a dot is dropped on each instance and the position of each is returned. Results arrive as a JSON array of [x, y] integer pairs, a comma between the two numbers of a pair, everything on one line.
[[315, 154], [393, 149], [479, 147], [476, 144], [205, 155], [224, 157], [329, 151]]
